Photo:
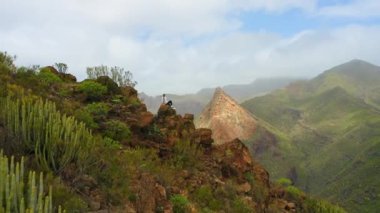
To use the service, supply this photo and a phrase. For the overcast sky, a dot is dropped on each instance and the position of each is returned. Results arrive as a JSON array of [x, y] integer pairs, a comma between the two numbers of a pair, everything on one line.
[[181, 46]]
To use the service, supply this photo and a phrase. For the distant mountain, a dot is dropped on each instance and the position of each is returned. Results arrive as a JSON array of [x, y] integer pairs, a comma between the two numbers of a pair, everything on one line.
[[194, 103], [327, 134], [226, 118]]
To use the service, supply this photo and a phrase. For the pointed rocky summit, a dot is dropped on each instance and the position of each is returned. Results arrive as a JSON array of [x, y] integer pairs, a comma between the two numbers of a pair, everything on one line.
[[227, 119]]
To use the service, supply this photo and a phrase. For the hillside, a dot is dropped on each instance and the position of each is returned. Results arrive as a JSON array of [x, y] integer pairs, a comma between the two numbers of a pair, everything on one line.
[[94, 147], [195, 103], [223, 113], [331, 123]]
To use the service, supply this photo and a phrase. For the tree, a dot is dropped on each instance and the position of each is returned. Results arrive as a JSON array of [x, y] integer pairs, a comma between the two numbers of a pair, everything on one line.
[[61, 67], [117, 74], [7, 61]]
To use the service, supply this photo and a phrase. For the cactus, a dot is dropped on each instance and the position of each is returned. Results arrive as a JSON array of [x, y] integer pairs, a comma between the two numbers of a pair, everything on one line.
[[55, 139], [14, 197]]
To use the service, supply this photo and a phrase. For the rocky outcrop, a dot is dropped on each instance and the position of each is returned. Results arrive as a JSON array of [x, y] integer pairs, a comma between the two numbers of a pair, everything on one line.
[[227, 119], [236, 161]]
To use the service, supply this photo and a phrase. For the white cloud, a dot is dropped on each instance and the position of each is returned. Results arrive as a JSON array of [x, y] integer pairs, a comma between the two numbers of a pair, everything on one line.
[[175, 46], [354, 9], [172, 66]]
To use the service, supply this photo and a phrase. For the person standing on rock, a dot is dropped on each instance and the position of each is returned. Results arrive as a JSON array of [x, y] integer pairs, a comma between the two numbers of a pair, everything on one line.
[[165, 100]]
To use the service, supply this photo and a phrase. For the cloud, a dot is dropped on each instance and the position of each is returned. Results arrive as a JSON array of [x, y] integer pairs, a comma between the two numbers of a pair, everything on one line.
[[173, 66], [354, 9], [177, 46]]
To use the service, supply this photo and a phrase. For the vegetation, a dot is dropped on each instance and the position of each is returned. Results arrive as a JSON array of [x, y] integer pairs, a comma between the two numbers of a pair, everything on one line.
[[61, 67], [117, 74], [93, 90], [326, 130], [180, 204], [47, 77], [18, 195], [117, 130], [56, 140]]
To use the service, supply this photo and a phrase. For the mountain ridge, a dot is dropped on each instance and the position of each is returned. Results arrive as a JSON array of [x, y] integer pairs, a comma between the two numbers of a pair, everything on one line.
[[194, 103], [222, 113], [331, 118]]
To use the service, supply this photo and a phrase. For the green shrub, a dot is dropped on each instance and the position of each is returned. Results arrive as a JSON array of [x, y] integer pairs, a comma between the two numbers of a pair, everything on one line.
[[6, 63], [92, 114], [112, 87], [85, 117], [111, 144], [185, 155], [64, 197], [205, 198], [47, 77], [295, 192], [180, 203], [97, 110], [93, 90], [284, 182], [239, 206], [321, 206], [117, 130]]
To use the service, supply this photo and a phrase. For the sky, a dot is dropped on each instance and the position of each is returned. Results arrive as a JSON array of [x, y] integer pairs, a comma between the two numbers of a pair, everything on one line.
[[178, 46]]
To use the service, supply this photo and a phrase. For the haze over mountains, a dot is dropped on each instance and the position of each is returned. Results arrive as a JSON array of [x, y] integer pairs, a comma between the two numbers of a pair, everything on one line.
[[194, 103], [323, 134]]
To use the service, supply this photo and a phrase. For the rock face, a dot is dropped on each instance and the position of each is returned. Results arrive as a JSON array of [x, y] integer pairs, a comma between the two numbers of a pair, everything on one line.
[[227, 119]]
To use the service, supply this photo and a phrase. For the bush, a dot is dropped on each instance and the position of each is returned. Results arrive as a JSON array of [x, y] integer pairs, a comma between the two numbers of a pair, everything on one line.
[[185, 155], [93, 90], [205, 198], [284, 182], [239, 206], [47, 77], [98, 110], [180, 203], [6, 63], [112, 87], [117, 130], [295, 192], [321, 206], [85, 117]]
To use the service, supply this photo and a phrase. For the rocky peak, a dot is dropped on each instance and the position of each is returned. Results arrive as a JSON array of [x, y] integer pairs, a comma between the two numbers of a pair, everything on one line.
[[226, 118]]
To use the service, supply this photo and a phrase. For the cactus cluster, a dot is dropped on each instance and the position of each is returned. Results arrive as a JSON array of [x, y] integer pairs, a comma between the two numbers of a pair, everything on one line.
[[19, 196], [55, 139]]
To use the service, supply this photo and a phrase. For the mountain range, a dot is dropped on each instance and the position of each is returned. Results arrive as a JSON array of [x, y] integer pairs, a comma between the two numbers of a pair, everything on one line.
[[324, 134], [194, 103]]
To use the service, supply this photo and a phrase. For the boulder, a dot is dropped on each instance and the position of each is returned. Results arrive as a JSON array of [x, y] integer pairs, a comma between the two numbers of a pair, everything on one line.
[[202, 137], [146, 119], [129, 92], [165, 110]]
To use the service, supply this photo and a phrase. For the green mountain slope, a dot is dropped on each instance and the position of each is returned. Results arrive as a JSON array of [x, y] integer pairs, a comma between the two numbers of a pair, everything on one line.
[[331, 125]]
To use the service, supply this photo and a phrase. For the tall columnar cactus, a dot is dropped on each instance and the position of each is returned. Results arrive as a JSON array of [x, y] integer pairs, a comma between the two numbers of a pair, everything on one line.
[[17, 196], [55, 139]]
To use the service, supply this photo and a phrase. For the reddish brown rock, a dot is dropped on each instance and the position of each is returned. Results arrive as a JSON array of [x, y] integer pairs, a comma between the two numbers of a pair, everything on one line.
[[237, 161], [203, 137], [227, 119], [146, 119], [129, 92]]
